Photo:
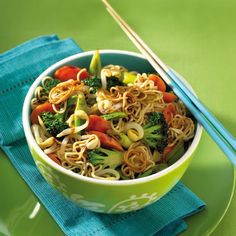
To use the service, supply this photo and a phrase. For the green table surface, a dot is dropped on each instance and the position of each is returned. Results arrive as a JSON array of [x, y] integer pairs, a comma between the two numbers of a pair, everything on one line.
[[195, 37]]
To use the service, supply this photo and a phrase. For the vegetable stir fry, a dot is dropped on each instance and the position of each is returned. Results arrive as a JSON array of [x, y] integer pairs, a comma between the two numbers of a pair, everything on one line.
[[106, 122]]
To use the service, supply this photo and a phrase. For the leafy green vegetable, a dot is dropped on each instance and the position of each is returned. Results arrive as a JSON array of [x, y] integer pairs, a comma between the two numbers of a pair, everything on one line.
[[54, 123], [145, 173], [176, 153], [48, 85], [95, 83], [114, 115], [153, 170], [114, 81], [155, 131]]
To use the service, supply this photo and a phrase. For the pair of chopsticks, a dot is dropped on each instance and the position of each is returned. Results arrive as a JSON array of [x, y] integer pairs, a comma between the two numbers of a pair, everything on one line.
[[215, 129]]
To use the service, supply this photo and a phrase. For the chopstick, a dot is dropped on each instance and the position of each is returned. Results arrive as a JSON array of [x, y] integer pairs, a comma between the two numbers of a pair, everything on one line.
[[215, 129]]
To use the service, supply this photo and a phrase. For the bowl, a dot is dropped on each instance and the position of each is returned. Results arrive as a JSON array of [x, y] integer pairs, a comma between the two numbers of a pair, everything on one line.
[[105, 196]]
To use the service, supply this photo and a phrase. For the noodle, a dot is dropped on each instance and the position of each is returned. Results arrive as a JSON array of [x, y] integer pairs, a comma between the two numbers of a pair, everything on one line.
[[107, 174], [78, 138], [118, 126], [136, 100], [63, 91], [181, 128], [137, 159]]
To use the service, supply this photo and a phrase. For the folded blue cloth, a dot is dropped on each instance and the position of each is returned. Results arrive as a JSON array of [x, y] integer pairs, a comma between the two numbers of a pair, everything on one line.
[[19, 67]]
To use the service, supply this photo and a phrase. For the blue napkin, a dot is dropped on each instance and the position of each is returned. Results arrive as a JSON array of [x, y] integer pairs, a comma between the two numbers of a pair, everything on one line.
[[19, 67]]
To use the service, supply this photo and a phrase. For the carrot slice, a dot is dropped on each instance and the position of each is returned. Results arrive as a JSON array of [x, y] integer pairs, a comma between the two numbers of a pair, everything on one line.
[[38, 110], [65, 73], [97, 123], [84, 75], [161, 86], [107, 141], [54, 157], [169, 111], [169, 97]]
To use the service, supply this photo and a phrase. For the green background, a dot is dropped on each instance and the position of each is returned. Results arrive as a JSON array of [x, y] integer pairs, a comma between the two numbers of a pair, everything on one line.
[[195, 37]]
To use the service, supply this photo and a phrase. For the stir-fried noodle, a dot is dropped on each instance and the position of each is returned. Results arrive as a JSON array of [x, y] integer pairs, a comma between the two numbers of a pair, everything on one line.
[[80, 142]]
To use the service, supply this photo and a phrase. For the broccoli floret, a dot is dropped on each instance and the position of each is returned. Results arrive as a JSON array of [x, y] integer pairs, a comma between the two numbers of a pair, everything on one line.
[[49, 84], [105, 157], [54, 123], [95, 83], [155, 131], [114, 81]]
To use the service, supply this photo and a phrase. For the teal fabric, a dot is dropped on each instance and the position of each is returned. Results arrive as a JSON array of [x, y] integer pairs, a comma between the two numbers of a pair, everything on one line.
[[19, 67]]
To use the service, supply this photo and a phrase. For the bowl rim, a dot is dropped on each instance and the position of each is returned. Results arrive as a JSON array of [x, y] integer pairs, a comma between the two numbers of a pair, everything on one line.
[[32, 143]]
